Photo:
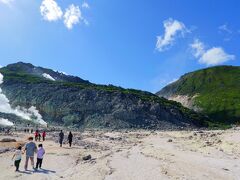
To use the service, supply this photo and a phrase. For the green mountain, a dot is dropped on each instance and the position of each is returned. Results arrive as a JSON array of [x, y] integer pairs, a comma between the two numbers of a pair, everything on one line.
[[61, 99], [213, 91]]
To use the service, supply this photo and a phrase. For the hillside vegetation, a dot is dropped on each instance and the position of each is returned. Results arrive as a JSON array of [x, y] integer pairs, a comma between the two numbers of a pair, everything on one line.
[[75, 102], [216, 91]]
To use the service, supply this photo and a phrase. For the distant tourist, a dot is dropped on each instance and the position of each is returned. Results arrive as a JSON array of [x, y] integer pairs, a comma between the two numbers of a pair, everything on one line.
[[30, 149], [17, 156], [40, 154], [70, 137], [39, 136], [44, 135], [61, 137], [36, 135], [31, 130]]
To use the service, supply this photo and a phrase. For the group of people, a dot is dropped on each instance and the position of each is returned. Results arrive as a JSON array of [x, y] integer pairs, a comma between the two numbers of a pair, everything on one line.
[[38, 135], [61, 138], [30, 149]]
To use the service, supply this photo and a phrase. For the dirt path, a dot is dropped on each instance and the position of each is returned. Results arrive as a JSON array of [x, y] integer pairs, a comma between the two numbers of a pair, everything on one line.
[[138, 155], [132, 164]]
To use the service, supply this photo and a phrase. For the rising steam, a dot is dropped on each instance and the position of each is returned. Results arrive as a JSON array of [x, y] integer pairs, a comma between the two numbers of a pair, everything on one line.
[[30, 114], [5, 122]]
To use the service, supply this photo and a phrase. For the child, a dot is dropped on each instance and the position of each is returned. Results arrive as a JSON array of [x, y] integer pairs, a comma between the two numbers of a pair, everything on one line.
[[17, 157], [40, 155]]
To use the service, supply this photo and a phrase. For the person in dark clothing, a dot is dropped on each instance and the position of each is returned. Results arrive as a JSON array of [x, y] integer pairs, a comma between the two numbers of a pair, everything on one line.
[[39, 136], [70, 136], [61, 137]]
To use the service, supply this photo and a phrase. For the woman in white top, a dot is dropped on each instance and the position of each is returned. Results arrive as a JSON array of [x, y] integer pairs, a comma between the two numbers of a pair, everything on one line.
[[17, 157]]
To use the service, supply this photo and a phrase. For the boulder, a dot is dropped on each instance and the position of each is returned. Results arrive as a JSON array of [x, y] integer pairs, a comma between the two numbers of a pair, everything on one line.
[[88, 157]]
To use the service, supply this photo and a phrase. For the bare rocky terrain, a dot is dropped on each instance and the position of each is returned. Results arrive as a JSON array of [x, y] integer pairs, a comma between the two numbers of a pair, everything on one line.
[[133, 155]]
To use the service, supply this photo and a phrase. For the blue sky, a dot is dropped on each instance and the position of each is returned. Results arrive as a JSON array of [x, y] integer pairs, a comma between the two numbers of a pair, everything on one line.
[[122, 42]]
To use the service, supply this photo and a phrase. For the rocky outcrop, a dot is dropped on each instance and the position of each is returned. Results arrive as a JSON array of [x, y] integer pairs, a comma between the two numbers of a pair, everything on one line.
[[88, 105]]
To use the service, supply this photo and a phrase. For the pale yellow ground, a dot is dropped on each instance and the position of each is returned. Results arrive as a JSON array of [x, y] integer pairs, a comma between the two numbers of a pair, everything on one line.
[[141, 155]]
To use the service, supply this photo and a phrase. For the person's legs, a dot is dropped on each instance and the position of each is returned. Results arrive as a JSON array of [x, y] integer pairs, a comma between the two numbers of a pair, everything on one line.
[[26, 163], [40, 163], [32, 161], [17, 164], [60, 143], [70, 143], [37, 164]]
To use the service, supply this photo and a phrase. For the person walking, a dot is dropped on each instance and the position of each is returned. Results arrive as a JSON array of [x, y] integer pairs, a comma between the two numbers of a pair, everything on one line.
[[39, 136], [30, 149], [17, 156], [61, 137], [36, 135], [44, 135], [70, 137], [40, 154]]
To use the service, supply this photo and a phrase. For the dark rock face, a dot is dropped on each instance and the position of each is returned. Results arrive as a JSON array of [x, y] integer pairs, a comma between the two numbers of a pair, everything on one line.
[[96, 106]]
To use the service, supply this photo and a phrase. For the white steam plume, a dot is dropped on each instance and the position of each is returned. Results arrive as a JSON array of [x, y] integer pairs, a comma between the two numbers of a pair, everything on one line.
[[30, 114], [5, 122]]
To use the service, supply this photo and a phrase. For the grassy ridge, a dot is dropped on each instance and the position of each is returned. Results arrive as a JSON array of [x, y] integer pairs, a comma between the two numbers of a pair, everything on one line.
[[218, 90]]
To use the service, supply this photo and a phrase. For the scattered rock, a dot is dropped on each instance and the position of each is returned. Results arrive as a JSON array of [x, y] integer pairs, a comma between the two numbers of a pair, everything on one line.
[[3, 150], [170, 140], [212, 135], [226, 169], [88, 157], [8, 140]]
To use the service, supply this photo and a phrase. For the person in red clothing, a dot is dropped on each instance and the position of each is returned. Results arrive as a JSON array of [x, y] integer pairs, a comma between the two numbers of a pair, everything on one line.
[[44, 135], [36, 135]]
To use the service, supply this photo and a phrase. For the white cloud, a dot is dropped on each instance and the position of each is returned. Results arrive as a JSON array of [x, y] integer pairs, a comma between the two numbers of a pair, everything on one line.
[[30, 114], [7, 2], [225, 28], [73, 15], [50, 10], [198, 48], [226, 31], [212, 56], [47, 76], [85, 5], [172, 29]]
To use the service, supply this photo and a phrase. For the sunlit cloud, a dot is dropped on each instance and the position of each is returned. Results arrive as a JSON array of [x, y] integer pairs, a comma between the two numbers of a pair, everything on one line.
[[172, 29], [211, 56], [50, 10]]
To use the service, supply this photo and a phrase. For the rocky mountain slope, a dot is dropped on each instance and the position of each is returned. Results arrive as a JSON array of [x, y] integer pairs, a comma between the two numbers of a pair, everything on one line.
[[40, 94], [213, 91]]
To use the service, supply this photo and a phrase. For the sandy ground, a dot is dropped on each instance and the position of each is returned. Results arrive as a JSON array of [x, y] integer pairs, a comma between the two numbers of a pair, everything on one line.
[[140, 155]]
